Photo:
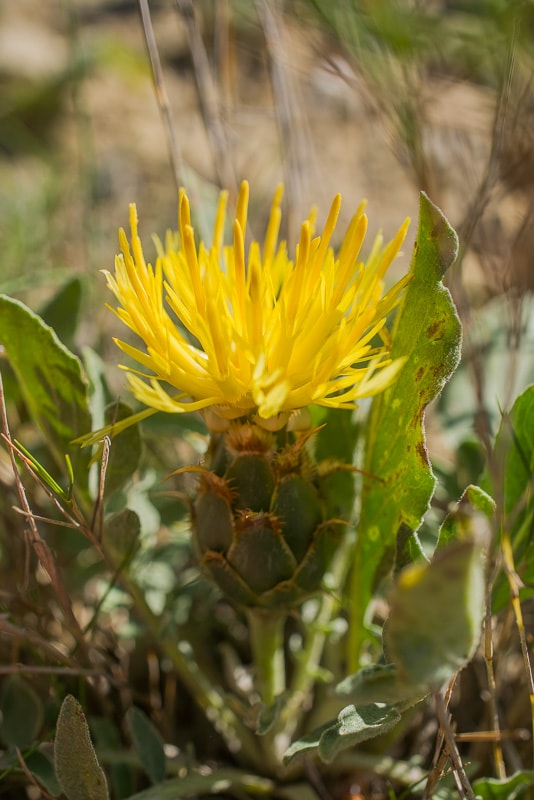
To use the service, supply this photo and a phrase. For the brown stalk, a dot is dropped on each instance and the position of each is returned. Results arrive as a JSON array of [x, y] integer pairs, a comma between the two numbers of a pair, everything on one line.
[[210, 104], [162, 96], [462, 781], [289, 119], [40, 547]]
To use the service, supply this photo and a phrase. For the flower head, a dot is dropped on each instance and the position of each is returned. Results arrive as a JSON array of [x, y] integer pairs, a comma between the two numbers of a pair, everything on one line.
[[254, 331]]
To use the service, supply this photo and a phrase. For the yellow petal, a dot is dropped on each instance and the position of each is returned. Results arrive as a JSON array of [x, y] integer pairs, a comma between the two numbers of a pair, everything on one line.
[[263, 334]]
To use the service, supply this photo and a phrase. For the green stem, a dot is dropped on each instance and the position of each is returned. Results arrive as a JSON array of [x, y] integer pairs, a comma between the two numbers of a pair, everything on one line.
[[316, 635], [357, 599], [266, 630]]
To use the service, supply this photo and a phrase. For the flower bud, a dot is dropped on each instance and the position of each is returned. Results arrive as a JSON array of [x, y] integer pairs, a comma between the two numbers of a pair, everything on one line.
[[259, 521]]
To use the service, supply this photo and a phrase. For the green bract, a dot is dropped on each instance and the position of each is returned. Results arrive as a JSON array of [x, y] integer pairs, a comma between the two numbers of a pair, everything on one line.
[[260, 524]]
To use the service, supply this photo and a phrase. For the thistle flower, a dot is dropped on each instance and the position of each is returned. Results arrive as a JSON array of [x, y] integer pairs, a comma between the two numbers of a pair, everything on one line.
[[256, 333], [250, 338]]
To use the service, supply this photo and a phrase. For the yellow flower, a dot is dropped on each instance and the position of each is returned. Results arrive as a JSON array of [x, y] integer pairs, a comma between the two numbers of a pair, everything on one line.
[[256, 333]]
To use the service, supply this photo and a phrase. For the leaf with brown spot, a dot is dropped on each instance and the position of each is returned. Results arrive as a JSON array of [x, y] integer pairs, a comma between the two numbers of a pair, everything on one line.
[[428, 334]]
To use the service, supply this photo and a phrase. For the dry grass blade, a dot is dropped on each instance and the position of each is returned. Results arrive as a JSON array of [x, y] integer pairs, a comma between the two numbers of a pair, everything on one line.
[[40, 547], [161, 95], [209, 100], [26, 669], [8, 630], [492, 686], [482, 193], [514, 582], [441, 755], [290, 124], [462, 781]]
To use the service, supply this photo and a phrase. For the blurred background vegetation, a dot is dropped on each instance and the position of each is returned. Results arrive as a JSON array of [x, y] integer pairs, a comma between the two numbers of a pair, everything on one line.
[[371, 98], [376, 99]]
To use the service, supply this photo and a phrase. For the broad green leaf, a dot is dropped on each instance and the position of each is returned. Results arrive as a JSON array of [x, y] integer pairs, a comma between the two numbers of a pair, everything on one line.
[[21, 714], [51, 382], [148, 743], [62, 311], [221, 781], [42, 768], [400, 483], [436, 613], [77, 769], [519, 785], [379, 684], [352, 726]]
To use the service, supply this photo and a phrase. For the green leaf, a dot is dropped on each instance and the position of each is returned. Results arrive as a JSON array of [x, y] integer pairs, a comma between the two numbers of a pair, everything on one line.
[[42, 769], [22, 713], [518, 785], [399, 482], [352, 726], [77, 769], [514, 455], [436, 615], [125, 450], [379, 684], [515, 444], [51, 382], [62, 311], [148, 743]]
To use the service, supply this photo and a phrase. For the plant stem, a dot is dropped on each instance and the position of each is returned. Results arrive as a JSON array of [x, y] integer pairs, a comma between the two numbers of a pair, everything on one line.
[[266, 630], [316, 635]]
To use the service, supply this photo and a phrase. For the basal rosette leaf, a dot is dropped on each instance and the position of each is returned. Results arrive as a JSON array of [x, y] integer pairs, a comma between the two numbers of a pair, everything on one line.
[[398, 482], [353, 725]]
